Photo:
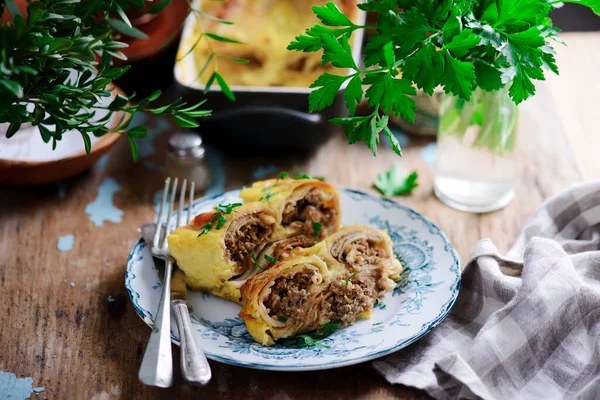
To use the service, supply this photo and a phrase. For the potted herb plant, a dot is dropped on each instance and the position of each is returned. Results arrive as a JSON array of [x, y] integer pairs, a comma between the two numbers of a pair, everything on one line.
[[57, 65], [484, 54]]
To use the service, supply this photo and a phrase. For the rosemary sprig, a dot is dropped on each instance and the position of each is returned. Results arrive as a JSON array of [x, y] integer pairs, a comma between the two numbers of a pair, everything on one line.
[[57, 66]]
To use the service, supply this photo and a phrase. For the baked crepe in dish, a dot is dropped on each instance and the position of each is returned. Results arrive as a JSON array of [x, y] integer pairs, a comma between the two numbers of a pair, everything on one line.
[[216, 260], [298, 204], [336, 281], [266, 28]]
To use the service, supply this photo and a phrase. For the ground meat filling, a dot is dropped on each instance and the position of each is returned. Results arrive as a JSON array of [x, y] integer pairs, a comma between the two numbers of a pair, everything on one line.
[[348, 301], [240, 242], [288, 296], [307, 210], [361, 253]]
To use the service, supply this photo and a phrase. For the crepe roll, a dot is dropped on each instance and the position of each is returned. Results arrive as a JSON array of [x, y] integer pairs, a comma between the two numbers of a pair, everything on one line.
[[356, 267], [217, 247], [300, 205], [369, 270], [363, 251], [284, 300]]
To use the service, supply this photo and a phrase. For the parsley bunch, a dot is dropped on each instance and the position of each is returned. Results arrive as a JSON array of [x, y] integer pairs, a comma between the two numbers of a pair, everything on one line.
[[459, 45], [56, 66]]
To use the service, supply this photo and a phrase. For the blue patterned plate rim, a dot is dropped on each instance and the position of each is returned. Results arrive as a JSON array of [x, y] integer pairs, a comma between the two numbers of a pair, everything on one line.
[[265, 364]]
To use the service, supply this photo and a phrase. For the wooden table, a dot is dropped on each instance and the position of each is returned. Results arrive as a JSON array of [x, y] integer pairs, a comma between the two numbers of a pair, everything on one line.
[[68, 323]]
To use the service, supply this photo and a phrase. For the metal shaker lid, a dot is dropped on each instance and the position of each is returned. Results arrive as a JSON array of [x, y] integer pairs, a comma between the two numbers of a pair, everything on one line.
[[186, 144]]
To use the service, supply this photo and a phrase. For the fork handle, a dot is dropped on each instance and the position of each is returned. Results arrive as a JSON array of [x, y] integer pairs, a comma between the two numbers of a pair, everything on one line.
[[194, 365], [157, 365]]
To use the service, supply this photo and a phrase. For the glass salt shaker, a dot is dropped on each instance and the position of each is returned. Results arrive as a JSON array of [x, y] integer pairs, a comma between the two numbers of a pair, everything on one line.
[[186, 159]]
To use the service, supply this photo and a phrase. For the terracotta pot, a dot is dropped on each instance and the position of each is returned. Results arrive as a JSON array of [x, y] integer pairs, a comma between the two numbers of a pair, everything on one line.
[[14, 172]]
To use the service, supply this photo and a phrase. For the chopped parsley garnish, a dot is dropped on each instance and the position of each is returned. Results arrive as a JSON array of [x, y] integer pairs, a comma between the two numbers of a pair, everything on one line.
[[269, 187], [281, 319], [302, 176], [396, 181], [227, 208], [380, 305], [308, 341], [306, 176], [240, 299], [255, 261], [378, 323], [350, 277], [282, 176], [270, 259], [219, 218], [317, 229], [331, 327], [268, 196]]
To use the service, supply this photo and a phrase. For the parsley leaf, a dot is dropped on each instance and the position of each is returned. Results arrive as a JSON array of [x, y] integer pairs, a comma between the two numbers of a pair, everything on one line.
[[227, 208], [395, 182], [219, 217], [281, 319], [462, 43], [353, 94], [425, 67], [388, 55], [331, 15], [270, 259], [330, 327], [255, 261], [337, 51], [306, 176], [392, 138], [488, 76], [317, 229], [459, 75], [391, 94], [350, 277], [328, 87]]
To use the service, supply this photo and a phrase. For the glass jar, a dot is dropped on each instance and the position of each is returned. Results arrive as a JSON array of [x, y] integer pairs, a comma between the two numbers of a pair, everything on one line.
[[476, 168], [186, 159]]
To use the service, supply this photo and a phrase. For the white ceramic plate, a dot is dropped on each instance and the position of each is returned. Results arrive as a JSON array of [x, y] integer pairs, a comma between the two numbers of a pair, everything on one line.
[[427, 290]]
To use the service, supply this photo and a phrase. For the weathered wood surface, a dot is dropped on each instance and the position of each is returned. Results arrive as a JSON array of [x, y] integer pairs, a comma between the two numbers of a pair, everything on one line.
[[78, 345]]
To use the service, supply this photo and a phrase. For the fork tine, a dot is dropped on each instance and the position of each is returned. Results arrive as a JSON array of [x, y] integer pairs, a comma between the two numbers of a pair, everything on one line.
[[170, 214], [189, 213], [181, 201], [160, 213]]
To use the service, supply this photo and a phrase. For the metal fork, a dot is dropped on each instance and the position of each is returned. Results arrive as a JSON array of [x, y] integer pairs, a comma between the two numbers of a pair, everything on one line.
[[157, 365]]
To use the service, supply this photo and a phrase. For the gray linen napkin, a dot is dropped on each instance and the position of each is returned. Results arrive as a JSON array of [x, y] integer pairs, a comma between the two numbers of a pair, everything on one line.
[[525, 326]]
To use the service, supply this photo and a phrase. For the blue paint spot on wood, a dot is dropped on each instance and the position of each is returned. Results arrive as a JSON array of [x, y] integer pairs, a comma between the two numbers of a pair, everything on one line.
[[14, 388], [65, 243], [102, 209], [146, 145], [101, 164], [262, 171], [38, 389], [429, 153]]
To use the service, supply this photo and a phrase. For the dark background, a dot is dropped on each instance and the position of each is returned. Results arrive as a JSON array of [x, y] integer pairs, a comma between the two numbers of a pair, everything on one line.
[[575, 18]]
